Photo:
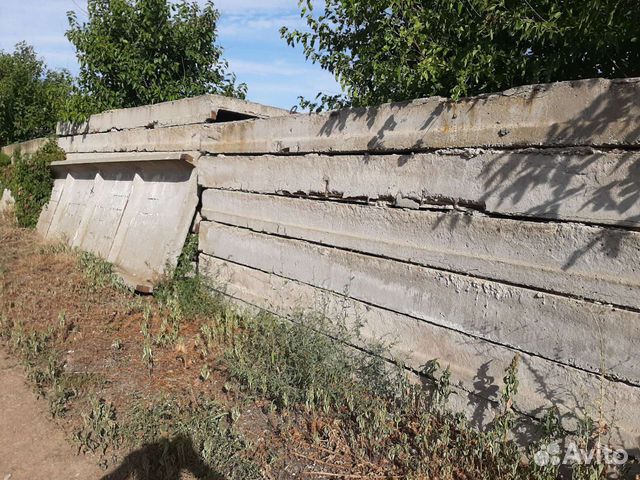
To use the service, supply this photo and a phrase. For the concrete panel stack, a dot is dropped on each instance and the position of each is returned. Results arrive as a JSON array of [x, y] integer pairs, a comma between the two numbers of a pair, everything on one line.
[[26, 148], [169, 126], [129, 200], [466, 231]]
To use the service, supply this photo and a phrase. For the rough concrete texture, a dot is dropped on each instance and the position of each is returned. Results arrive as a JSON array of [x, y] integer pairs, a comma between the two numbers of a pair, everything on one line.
[[205, 108], [6, 200], [572, 184], [476, 366], [170, 139], [561, 329], [26, 148], [585, 112], [135, 215], [591, 262]]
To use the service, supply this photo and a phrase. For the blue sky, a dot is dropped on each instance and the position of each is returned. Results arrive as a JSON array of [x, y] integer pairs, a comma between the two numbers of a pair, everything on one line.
[[248, 30]]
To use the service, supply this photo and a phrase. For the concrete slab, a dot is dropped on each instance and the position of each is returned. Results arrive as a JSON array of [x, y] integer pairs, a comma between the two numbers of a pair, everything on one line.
[[156, 222], [584, 185], [585, 112], [27, 148], [6, 200], [590, 262], [171, 139], [135, 214], [561, 329], [476, 366], [201, 109]]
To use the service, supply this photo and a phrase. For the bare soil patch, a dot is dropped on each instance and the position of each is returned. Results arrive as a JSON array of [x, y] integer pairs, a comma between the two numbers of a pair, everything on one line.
[[31, 446]]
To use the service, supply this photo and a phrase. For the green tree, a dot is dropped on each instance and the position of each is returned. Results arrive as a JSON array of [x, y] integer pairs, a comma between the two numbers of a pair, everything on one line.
[[138, 52], [392, 50], [32, 97]]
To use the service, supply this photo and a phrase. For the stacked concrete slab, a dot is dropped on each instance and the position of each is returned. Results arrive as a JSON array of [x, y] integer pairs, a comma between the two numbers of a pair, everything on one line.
[[26, 148], [466, 231], [126, 203]]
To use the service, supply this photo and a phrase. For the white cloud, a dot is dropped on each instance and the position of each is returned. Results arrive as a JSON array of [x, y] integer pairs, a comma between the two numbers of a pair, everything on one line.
[[252, 26], [253, 6]]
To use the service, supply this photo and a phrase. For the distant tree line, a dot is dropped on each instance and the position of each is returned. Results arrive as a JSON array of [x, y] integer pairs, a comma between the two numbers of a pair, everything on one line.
[[130, 52]]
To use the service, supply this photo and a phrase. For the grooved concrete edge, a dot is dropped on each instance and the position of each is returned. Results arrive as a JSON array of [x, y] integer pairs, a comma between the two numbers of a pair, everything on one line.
[[125, 157], [567, 258], [561, 329]]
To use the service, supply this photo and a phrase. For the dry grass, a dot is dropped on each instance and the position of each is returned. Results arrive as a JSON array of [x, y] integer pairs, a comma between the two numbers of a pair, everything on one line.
[[102, 341]]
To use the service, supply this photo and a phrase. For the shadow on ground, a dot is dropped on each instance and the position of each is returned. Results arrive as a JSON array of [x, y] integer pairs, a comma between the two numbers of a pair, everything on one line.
[[170, 459]]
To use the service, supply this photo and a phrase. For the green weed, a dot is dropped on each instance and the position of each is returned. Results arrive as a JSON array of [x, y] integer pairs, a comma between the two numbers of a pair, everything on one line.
[[101, 430], [43, 363], [204, 425], [99, 272], [145, 329], [309, 364], [184, 292], [197, 436]]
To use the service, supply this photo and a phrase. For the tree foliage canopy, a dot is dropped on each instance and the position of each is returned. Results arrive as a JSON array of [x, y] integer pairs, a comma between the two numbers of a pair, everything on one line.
[[138, 52], [31, 96], [391, 50]]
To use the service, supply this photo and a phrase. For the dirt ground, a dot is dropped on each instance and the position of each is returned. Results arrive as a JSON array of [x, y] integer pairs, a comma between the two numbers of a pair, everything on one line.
[[32, 447], [39, 286]]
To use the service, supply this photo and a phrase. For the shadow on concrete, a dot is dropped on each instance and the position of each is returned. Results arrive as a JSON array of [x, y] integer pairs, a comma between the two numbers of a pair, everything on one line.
[[514, 178], [557, 167]]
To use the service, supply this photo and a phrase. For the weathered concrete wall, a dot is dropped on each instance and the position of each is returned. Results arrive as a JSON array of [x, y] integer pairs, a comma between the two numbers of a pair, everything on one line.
[[134, 212], [476, 365], [569, 258], [205, 108], [128, 190], [27, 148], [575, 184], [464, 231], [587, 112]]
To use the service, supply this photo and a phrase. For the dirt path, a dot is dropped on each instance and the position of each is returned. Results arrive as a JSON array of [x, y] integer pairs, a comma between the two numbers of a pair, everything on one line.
[[31, 446]]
